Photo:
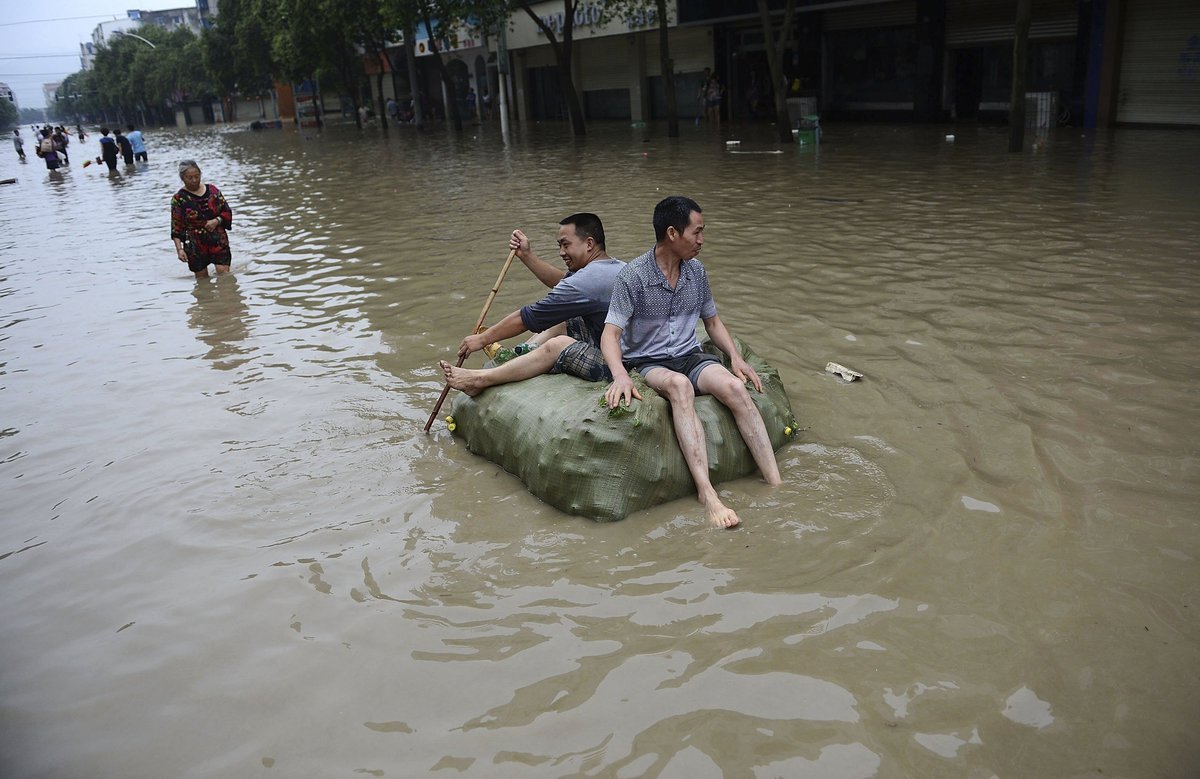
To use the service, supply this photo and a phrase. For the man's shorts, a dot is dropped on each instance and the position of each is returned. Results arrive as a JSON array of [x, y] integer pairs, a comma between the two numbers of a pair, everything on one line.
[[582, 360], [689, 365]]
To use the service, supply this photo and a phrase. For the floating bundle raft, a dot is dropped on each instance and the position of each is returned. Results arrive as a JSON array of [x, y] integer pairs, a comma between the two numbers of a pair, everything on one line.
[[554, 433]]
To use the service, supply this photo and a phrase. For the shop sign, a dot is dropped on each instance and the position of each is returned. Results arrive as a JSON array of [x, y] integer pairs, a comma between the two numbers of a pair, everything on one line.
[[592, 14], [459, 39]]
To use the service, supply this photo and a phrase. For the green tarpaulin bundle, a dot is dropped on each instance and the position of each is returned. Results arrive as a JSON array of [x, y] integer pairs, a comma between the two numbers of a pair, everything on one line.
[[554, 433]]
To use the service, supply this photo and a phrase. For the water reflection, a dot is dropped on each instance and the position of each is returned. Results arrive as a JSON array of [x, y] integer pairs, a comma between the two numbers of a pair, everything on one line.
[[220, 317]]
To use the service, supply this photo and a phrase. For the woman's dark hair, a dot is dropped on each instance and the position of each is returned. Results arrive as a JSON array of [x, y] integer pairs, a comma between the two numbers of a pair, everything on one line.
[[586, 226], [675, 211]]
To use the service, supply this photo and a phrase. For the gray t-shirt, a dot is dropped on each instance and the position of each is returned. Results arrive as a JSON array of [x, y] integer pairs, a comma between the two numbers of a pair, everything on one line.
[[584, 293]]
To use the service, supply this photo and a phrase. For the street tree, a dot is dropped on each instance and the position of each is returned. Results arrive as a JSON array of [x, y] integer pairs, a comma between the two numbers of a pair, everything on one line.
[[314, 39], [237, 50], [562, 45], [775, 42]]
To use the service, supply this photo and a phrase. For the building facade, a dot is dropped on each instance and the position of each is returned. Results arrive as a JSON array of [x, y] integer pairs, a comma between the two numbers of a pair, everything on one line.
[[1091, 62]]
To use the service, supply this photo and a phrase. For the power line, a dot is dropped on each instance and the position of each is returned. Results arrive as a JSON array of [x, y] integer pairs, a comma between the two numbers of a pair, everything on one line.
[[61, 19], [42, 56]]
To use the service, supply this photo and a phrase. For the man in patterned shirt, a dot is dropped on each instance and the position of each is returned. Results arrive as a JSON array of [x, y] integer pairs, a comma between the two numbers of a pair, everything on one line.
[[651, 327], [569, 319]]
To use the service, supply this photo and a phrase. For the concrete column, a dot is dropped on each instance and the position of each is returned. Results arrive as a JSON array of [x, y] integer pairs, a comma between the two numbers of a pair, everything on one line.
[[520, 79], [639, 103]]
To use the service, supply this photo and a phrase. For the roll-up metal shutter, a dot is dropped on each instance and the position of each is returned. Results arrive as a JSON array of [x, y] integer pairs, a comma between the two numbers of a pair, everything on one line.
[[977, 22], [898, 14], [691, 50], [1160, 63], [604, 63]]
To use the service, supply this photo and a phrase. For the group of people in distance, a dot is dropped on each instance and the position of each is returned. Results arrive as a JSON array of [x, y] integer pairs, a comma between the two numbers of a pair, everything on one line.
[[52, 142], [131, 147], [603, 318]]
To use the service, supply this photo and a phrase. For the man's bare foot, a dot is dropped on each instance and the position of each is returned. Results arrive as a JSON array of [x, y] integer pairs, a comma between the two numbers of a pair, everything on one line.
[[720, 515], [462, 379]]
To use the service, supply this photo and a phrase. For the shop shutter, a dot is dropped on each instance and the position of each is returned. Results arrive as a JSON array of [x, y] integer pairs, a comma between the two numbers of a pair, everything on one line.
[[898, 14], [1160, 63], [691, 50], [605, 63], [979, 22]]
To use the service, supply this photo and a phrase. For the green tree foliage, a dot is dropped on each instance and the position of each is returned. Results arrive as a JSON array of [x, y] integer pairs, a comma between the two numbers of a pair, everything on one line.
[[237, 48], [8, 113], [132, 80]]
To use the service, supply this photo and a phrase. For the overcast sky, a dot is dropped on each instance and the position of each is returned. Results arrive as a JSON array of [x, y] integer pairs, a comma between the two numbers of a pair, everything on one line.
[[34, 37]]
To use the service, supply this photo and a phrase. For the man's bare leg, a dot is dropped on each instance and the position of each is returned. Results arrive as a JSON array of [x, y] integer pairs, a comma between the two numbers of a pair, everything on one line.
[[535, 363], [678, 391], [716, 380], [546, 335]]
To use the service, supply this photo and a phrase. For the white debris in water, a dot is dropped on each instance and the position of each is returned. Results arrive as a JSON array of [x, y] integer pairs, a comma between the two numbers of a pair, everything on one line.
[[1025, 708], [870, 645], [980, 505], [851, 338], [838, 369], [911, 342]]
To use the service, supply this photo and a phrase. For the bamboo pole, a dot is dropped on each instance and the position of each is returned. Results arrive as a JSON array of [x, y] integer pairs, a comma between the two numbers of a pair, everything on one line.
[[478, 326]]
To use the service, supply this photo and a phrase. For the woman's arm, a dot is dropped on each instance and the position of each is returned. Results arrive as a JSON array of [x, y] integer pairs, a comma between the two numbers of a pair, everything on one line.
[[224, 212]]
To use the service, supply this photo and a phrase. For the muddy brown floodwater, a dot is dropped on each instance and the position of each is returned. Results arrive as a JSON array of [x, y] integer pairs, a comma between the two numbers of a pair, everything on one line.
[[228, 550]]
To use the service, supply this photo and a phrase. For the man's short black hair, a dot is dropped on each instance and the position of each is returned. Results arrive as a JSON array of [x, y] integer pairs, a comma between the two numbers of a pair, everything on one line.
[[586, 226], [674, 211]]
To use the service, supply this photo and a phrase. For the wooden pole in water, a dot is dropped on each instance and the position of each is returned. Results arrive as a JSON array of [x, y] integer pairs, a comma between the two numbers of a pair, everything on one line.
[[478, 325], [1016, 100]]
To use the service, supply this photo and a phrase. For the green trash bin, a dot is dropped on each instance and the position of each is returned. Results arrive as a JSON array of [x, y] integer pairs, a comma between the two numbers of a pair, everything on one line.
[[808, 130]]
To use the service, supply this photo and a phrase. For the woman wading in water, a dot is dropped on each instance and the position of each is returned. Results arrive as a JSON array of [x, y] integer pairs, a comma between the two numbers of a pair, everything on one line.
[[200, 217]]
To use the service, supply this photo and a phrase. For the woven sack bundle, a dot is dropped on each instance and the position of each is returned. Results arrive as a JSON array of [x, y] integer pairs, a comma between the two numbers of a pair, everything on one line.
[[554, 433]]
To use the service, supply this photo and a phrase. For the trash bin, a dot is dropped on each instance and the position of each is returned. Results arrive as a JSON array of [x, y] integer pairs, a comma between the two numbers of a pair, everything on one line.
[[808, 130]]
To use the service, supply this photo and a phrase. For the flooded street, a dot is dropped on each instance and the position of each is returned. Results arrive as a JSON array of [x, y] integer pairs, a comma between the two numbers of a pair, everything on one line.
[[227, 548]]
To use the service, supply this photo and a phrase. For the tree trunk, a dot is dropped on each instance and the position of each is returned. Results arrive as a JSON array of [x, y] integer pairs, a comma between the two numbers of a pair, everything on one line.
[[667, 66], [451, 95], [383, 117], [414, 86], [1016, 99], [562, 56], [774, 47]]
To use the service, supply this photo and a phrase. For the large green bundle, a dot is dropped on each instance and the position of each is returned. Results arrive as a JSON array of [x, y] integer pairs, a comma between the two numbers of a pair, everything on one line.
[[555, 434]]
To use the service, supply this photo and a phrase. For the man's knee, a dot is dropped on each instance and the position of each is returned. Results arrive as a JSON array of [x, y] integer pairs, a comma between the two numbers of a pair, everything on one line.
[[677, 387], [556, 344], [730, 390]]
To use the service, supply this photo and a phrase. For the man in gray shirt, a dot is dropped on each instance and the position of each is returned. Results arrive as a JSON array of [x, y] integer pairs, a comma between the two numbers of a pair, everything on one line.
[[570, 318], [656, 302]]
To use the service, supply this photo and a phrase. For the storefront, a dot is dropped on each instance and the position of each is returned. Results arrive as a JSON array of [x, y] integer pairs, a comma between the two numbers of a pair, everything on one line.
[[614, 62], [979, 44]]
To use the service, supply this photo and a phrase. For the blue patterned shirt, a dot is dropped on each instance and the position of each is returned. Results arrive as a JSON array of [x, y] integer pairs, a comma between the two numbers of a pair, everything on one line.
[[657, 321]]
